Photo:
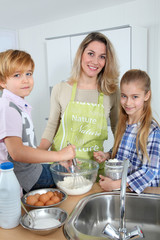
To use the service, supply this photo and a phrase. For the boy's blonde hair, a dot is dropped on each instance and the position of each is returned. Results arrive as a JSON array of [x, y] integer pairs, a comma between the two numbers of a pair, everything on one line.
[[138, 76], [13, 60], [108, 77]]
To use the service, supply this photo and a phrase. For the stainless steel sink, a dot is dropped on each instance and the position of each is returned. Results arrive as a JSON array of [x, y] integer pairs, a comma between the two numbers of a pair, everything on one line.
[[93, 212]]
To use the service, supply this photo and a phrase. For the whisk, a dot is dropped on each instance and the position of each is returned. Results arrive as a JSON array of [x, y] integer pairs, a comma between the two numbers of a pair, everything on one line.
[[74, 163], [78, 180]]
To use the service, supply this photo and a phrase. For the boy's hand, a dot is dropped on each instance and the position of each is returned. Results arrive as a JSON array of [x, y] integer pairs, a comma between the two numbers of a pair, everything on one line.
[[68, 153]]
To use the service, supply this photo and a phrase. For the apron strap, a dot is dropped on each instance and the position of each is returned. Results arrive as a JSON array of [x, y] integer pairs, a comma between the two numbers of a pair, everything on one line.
[[100, 98], [74, 91]]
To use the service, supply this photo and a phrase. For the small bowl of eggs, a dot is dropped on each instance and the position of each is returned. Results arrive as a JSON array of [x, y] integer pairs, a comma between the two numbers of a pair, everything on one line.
[[44, 198]]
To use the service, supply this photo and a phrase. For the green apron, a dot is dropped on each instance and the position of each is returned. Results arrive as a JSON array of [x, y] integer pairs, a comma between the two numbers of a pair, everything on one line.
[[85, 126]]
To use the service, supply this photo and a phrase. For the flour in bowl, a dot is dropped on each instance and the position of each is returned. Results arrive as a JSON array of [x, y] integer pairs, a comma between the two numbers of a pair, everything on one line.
[[75, 185], [46, 223], [114, 160]]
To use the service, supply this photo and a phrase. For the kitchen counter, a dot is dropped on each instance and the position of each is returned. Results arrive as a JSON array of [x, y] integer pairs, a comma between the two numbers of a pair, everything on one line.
[[20, 233]]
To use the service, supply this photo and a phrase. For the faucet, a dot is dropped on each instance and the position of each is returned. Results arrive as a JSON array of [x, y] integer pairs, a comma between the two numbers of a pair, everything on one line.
[[122, 234]]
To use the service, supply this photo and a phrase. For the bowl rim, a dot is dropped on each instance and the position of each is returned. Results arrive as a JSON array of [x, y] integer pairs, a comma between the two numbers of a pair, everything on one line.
[[85, 171], [23, 198], [118, 165], [115, 164], [44, 229]]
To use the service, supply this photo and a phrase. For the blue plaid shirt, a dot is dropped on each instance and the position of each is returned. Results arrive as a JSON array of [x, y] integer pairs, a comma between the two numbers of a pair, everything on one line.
[[142, 173]]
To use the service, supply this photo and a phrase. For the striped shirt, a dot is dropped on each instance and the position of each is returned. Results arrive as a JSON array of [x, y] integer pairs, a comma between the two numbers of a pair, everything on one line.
[[142, 173]]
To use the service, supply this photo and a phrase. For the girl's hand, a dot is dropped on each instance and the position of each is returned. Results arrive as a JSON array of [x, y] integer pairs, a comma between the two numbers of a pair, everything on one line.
[[107, 184], [100, 156]]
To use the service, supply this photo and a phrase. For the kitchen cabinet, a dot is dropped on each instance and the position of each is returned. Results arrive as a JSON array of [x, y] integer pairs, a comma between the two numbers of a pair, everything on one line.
[[130, 44], [8, 40], [58, 60]]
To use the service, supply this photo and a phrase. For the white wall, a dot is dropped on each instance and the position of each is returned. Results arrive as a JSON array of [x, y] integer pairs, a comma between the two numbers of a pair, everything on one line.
[[144, 13]]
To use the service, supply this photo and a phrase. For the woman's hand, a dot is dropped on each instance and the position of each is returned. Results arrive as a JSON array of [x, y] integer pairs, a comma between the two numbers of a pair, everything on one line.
[[107, 184], [66, 164], [101, 156]]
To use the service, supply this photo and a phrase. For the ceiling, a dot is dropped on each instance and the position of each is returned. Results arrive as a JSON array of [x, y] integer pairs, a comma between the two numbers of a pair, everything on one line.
[[17, 14]]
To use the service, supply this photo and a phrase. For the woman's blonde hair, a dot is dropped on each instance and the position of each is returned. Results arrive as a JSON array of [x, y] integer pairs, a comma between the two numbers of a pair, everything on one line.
[[107, 79], [141, 77], [13, 60]]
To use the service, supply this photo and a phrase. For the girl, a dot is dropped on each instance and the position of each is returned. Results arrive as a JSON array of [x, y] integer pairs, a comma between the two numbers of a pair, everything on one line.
[[17, 139], [81, 106], [137, 135]]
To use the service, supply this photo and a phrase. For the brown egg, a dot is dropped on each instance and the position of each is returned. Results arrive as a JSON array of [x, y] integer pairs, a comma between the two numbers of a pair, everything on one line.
[[39, 203], [49, 202], [60, 195], [37, 195], [31, 200], [44, 198], [50, 194], [56, 199]]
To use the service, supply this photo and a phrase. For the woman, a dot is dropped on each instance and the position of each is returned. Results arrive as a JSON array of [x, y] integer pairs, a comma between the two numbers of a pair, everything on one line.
[[81, 106]]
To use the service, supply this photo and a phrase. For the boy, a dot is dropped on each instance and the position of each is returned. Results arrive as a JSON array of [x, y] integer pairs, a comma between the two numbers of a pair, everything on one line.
[[17, 139]]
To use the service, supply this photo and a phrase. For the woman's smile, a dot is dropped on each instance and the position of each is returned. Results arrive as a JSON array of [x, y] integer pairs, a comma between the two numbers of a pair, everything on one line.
[[92, 68]]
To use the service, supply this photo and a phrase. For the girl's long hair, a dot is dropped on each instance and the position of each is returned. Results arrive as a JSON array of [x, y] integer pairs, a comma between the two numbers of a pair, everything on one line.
[[107, 79], [138, 77]]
